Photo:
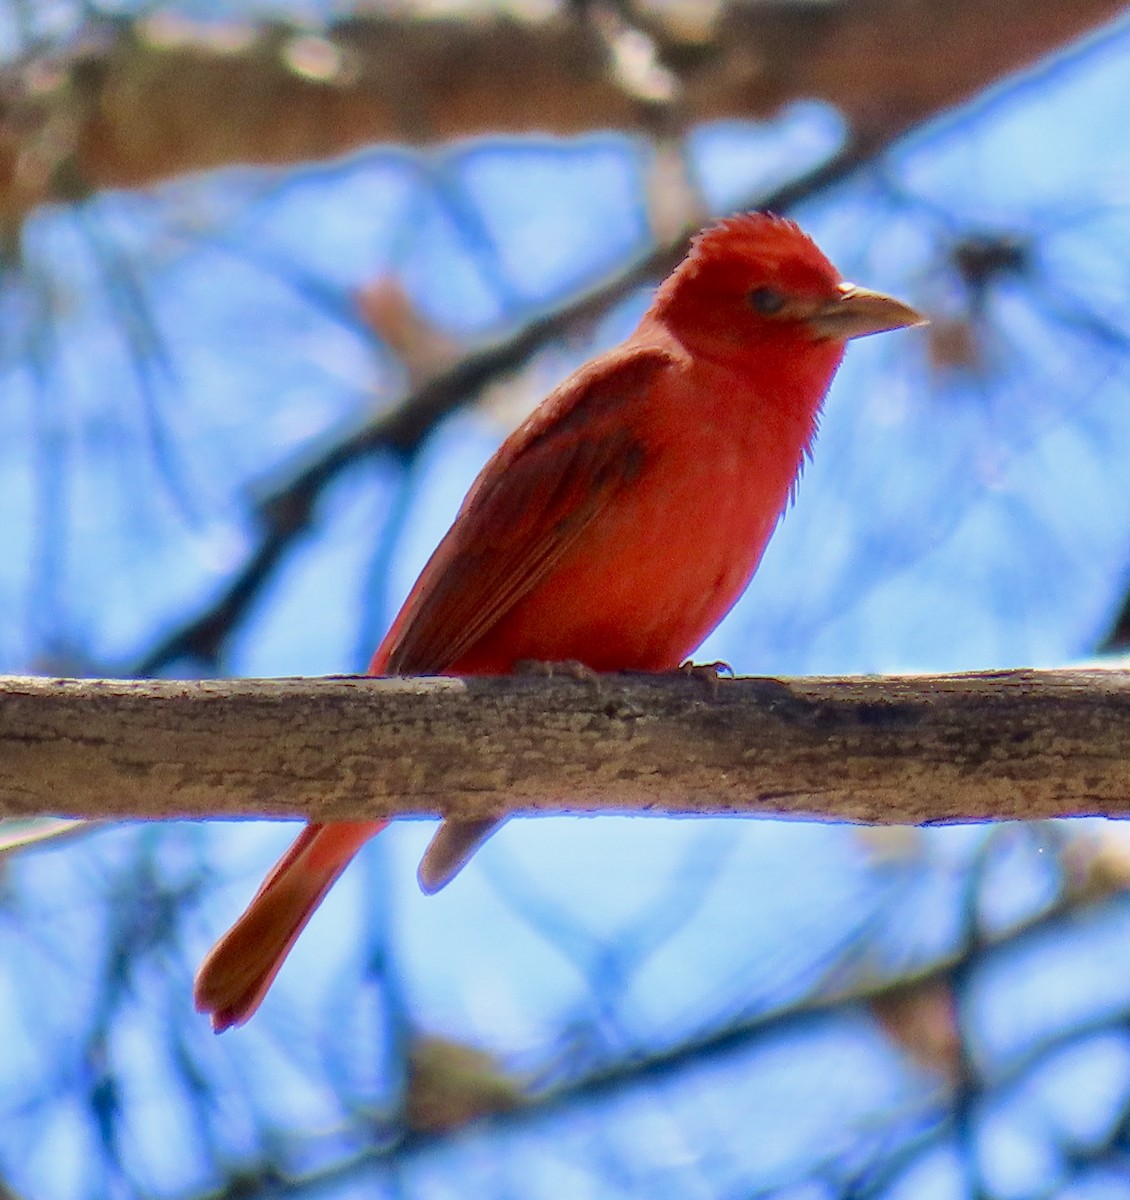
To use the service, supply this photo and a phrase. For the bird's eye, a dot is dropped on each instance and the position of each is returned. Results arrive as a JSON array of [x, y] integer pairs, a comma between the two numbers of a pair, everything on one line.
[[766, 300]]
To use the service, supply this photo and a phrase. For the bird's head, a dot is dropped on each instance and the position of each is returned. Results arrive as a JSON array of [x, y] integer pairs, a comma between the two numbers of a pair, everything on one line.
[[756, 285]]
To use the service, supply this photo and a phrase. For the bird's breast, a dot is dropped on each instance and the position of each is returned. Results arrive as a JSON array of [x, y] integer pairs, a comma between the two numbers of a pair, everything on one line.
[[653, 573]]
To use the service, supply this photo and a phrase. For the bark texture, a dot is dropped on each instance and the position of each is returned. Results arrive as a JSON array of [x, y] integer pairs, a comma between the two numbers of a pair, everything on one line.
[[889, 750]]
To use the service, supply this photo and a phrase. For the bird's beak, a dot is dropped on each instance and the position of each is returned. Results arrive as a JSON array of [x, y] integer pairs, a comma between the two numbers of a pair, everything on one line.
[[858, 311]]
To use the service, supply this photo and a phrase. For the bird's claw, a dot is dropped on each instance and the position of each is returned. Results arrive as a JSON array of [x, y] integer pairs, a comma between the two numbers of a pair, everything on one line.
[[569, 668], [710, 674]]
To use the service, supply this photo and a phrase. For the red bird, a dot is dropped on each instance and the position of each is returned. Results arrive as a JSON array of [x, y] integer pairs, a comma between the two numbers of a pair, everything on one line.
[[615, 528]]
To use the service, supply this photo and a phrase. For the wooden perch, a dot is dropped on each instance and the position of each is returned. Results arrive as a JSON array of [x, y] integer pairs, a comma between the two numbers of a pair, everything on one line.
[[888, 750]]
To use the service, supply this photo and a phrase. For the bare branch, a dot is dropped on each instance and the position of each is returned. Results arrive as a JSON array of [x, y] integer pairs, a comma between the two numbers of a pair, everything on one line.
[[1000, 746]]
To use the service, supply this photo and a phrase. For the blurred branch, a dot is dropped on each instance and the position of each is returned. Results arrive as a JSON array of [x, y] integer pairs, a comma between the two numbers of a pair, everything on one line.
[[1002, 746], [936, 1123], [1117, 638], [128, 103]]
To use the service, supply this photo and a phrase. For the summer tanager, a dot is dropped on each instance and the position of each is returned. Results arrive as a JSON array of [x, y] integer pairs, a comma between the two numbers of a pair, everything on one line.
[[615, 528]]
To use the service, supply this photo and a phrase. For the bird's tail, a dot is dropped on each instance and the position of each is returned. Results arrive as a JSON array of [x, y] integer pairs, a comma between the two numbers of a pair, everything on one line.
[[234, 978]]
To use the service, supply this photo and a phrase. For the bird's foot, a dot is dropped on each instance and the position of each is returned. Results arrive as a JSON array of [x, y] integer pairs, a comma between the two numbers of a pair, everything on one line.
[[710, 674], [570, 668]]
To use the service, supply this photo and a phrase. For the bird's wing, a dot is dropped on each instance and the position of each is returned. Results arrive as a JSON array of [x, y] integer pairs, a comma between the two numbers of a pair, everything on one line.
[[552, 477]]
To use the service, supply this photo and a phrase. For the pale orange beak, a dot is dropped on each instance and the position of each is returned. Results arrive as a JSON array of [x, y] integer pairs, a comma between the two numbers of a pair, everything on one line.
[[858, 311]]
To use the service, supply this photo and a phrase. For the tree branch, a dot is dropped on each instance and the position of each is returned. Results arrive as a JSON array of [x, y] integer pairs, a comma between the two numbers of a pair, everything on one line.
[[1000, 746], [1117, 638]]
